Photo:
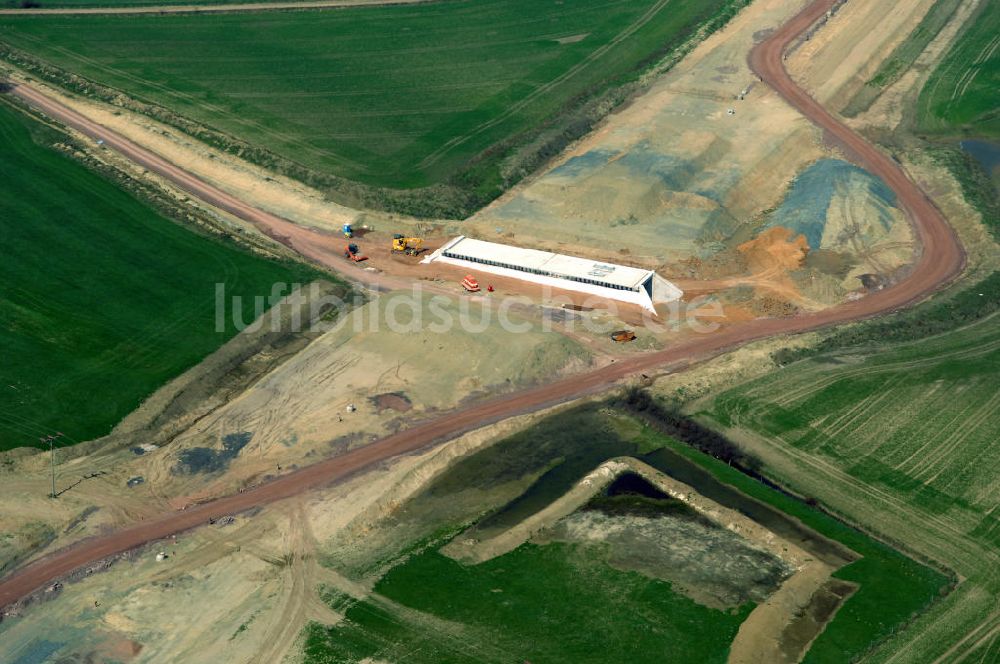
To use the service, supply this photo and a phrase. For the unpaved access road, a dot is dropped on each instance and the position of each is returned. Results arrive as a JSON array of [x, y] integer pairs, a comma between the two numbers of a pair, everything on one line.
[[206, 9], [325, 248], [941, 260]]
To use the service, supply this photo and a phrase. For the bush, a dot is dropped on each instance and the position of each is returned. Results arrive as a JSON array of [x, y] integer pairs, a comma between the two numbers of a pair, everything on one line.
[[673, 423]]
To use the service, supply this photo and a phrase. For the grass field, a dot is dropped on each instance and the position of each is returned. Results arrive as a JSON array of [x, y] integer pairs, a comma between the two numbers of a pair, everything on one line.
[[919, 419], [962, 96], [103, 300], [513, 608], [53, 4], [901, 438], [552, 603], [397, 96]]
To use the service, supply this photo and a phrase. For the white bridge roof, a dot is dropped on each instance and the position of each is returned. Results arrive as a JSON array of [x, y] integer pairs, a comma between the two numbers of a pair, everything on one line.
[[547, 263]]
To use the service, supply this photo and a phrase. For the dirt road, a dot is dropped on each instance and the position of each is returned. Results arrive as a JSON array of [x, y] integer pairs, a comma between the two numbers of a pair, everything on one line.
[[321, 247], [941, 260], [205, 9]]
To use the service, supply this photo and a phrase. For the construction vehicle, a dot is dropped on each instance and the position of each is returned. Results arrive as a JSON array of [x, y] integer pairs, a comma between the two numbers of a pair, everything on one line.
[[353, 252], [410, 246], [348, 231], [623, 336], [470, 284]]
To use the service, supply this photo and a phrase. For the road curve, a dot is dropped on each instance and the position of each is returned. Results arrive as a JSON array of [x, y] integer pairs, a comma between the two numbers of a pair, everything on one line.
[[204, 9], [940, 261]]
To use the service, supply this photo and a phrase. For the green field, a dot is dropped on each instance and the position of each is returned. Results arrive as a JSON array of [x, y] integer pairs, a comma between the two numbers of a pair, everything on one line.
[[901, 437], [396, 96], [552, 603], [564, 603], [962, 96], [919, 419], [103, 299], [53, 4]]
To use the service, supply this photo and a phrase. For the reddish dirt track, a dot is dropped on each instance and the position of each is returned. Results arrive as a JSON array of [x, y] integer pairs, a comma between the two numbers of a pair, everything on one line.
[[941, 260]]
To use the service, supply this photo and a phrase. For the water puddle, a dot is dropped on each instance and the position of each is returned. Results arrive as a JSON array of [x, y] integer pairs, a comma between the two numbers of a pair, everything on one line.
[[986, 153]]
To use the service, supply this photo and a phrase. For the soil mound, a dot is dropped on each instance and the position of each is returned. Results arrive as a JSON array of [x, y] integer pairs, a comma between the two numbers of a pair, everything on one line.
[[775, 249]]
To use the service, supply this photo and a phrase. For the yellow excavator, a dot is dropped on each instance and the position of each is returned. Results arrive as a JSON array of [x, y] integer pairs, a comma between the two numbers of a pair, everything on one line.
[[411, 246]]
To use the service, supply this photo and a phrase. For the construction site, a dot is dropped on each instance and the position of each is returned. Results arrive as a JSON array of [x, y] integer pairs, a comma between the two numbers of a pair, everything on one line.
[[484, 439]]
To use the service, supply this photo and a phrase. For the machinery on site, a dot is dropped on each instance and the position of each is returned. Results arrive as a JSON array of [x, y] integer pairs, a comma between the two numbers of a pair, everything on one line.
[[353, 252], [411, 246], [470, 284], [623, 336], [348, 231]]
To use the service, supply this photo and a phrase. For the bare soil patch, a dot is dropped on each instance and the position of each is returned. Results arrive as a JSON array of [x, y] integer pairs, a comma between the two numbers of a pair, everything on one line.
[[396, 401], [799, 634]]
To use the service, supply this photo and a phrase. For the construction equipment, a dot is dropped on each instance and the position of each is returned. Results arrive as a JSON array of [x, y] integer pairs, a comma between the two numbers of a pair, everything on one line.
[[348, 231], [470, 284], [623, 336], [352, 252], [410, 246]]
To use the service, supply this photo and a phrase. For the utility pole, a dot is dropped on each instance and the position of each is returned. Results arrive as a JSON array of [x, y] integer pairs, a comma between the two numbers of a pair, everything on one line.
[[52, 457]]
